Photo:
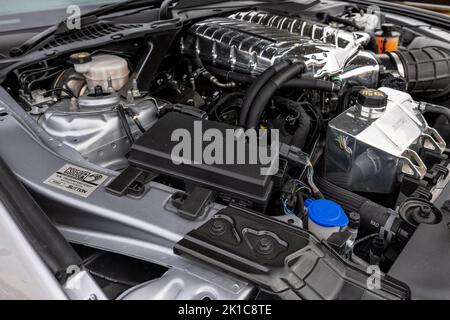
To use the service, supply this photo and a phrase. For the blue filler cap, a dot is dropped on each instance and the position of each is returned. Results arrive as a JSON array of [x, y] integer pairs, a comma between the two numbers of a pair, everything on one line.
[[326, 213]]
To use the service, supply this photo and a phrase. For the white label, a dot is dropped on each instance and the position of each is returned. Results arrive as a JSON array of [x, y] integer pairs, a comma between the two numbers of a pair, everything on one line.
[[77, 180]]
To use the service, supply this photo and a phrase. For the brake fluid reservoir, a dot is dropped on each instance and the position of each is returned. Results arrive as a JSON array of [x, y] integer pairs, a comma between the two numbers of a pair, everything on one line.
[[325, 217], [105, 70]]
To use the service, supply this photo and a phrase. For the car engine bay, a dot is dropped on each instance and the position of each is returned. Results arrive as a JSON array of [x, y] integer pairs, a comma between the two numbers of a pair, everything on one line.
[[361, 107]]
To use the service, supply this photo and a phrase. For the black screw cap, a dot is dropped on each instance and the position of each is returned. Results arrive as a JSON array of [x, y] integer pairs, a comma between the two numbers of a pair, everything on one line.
[[354, 220], [372, 98], [388, 29]]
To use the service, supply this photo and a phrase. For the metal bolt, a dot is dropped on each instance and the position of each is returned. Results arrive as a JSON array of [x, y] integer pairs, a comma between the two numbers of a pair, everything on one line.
[[425, 211], [217, 227], [264, 246], [236, 287]]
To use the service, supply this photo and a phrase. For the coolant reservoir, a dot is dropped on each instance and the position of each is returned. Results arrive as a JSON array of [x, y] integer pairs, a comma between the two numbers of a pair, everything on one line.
[[372, 144], [102, 70]]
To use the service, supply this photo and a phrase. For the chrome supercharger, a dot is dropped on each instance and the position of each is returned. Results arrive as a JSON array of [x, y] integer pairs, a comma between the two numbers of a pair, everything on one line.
[[250, 42]]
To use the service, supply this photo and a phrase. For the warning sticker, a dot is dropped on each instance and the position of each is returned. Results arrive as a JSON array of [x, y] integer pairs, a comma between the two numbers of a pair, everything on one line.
[[77, 180]]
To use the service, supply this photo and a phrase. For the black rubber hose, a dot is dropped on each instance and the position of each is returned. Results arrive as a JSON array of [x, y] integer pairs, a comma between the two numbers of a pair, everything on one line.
[[267, 91], [348, 91], [310, 83], [232, 76], [254, 89], [432, 108], [185, 109], [315, 84]]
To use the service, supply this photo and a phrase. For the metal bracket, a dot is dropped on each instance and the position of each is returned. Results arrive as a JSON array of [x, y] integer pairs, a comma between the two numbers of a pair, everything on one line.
[[432, 140], [413, 164]]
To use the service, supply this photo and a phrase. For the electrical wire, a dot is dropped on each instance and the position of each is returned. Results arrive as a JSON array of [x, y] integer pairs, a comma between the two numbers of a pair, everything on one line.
[[310, 177], [61, 89], [285, 207], [297, 186], [125, 125], [135, 118], [302, 186], [365, 238]]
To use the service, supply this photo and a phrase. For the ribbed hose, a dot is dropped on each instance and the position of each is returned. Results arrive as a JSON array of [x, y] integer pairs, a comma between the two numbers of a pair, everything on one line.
[[254, 89], [266, 92], [426, 70], [374, 217], [348, 200]]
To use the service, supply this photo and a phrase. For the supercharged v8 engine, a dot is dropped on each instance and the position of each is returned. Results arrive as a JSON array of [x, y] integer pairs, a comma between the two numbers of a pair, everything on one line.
[[250, 152], [250, 42]]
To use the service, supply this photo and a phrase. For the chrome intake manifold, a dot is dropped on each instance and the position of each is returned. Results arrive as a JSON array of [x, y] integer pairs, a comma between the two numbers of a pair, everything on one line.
[[250, 42]]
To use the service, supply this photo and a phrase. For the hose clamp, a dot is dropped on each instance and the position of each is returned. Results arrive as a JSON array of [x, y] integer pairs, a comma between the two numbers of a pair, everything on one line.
[[398, 64]]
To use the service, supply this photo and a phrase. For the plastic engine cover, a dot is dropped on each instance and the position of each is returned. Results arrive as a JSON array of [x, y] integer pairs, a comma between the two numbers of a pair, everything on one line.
[[281, 259]]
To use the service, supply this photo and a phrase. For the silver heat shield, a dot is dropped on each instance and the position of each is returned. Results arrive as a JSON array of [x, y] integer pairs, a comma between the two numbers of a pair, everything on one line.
[[250, 42]]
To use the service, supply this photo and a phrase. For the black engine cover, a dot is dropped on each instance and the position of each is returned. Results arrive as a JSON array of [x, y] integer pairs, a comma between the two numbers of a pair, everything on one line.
[[153, 151]]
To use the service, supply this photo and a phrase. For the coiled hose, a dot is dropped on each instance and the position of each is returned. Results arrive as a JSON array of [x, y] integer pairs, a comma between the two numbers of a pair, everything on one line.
[[348, 200]]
